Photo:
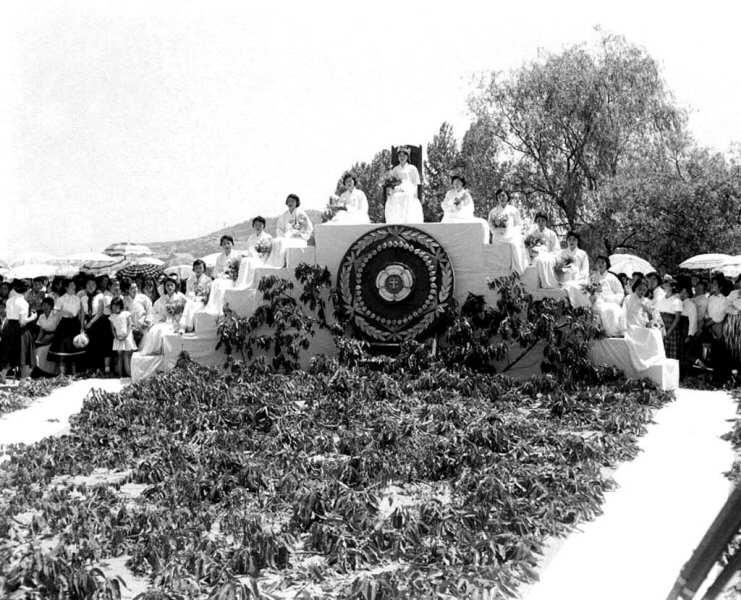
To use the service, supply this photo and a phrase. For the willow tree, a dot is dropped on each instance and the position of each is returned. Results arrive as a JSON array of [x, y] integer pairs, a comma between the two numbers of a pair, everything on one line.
[[569, 121]]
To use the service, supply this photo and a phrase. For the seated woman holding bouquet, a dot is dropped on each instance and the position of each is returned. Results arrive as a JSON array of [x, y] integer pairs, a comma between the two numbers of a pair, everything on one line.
[[164, 318], [352, 206], [259, 247], [573, 266], [642, 331], [294, 231], [458, 206], [225, 274], [505, 222], [542, 243], [402, 204], [608, 298], [197, 288]]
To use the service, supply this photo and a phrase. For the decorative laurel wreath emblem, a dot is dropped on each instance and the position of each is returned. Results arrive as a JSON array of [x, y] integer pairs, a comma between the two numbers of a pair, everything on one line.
[[394, 283]]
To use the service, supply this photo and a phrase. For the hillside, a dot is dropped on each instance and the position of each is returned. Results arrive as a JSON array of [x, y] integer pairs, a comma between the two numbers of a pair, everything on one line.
[[208, 244]]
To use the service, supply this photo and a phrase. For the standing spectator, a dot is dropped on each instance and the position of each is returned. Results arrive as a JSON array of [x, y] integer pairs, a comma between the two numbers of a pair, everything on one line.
[[138, 305], [16, 345]]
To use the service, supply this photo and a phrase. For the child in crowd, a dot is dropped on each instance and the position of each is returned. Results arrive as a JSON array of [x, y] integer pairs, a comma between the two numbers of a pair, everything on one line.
[[123, 338]]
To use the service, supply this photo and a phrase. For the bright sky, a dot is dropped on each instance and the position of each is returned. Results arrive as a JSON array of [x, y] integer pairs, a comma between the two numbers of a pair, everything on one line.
[[159, 120]]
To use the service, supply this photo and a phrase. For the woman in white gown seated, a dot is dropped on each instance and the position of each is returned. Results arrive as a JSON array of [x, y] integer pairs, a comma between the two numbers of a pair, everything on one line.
[[608, 301], [642, 334], [164, 318], [259, 247], [294, 231], [352, 203], [197, 288], [458, 206], [505, 223], [224, 275], [544, 251], [402, 204], [574, 266]]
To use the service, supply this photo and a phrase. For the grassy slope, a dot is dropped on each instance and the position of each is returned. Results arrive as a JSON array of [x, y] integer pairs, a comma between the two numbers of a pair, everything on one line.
[[208, 244]]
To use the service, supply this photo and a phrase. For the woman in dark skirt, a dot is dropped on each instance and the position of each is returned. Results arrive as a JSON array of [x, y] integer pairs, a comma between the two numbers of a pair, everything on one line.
[[97, 328], [670, 307], [16, 345], [62, 349]]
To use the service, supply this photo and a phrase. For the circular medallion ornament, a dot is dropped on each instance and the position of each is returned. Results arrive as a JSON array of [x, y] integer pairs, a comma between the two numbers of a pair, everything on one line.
[[394, 283]]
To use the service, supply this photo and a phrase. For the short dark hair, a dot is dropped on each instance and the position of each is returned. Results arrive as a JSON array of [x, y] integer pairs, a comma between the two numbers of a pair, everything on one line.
[[48, 300], [459, 178], [117, 302], [501, 191], [654, 275], [347, 176], [66, 281], [227, 238], [574, 235], [20, 286], [258, 219], [605, 258], [541, 215], [40, 279], [637, 282], [295, 197], [637, 274], [197, 262]]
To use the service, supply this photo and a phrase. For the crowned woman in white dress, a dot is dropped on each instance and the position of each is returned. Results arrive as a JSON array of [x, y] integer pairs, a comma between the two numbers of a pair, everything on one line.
[[402, 204], [505, 222], [574, 264], [458, 206], [259, 247], [544, 250], [352, 204]]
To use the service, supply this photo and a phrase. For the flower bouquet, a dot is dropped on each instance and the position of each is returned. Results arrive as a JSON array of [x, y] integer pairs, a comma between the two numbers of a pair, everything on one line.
[[498, 221], [175, 306], [332, 209], [562, 265], [263, 248], [533, 243], [232, 270], [390, 183], [592, 288]]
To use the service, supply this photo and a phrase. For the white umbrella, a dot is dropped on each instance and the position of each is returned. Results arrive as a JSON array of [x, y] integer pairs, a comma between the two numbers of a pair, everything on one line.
[[89, 257], [210, 259], [182, 271], [731, 267], [33, 258], [629, 264], [128, 249], [31, 271], [149, 260], [704, 261]]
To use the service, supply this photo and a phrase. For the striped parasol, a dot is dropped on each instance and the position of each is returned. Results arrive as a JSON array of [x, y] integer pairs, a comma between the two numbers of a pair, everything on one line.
[[140, 270], [704, 261], [128, 249]]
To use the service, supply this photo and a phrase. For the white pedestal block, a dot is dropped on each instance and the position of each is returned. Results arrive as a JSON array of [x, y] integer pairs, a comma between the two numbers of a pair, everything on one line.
[[614, 351]]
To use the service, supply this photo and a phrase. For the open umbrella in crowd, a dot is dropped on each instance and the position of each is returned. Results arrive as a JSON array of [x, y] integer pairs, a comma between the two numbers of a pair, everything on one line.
[[128, 249]]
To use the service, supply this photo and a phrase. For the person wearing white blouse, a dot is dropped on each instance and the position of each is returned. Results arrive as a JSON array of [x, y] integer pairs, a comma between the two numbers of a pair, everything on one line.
[[16, 345], [544, 252], [403, 205], [505, 223], [575, 268], [69, 308], [608, 301], [458, 206], [353, 202]]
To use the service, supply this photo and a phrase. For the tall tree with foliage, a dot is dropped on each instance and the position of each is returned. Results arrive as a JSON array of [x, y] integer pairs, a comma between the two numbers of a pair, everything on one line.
[[569, 120], [443, 159]]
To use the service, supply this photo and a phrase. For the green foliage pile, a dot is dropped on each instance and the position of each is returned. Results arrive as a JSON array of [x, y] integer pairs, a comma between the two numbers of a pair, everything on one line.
[[249, 473]]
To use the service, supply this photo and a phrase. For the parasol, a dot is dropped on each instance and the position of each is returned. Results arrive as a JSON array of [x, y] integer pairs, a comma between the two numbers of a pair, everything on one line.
[[731, 267], [179, 258], [629, 264], [34, 258], [704, 261], [149, 260], [128, 249], [182, 271], [31, 270], [139, 270]]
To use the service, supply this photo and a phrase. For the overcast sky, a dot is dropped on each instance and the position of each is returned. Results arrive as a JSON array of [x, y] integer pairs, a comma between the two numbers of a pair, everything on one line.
[[160, 120]]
